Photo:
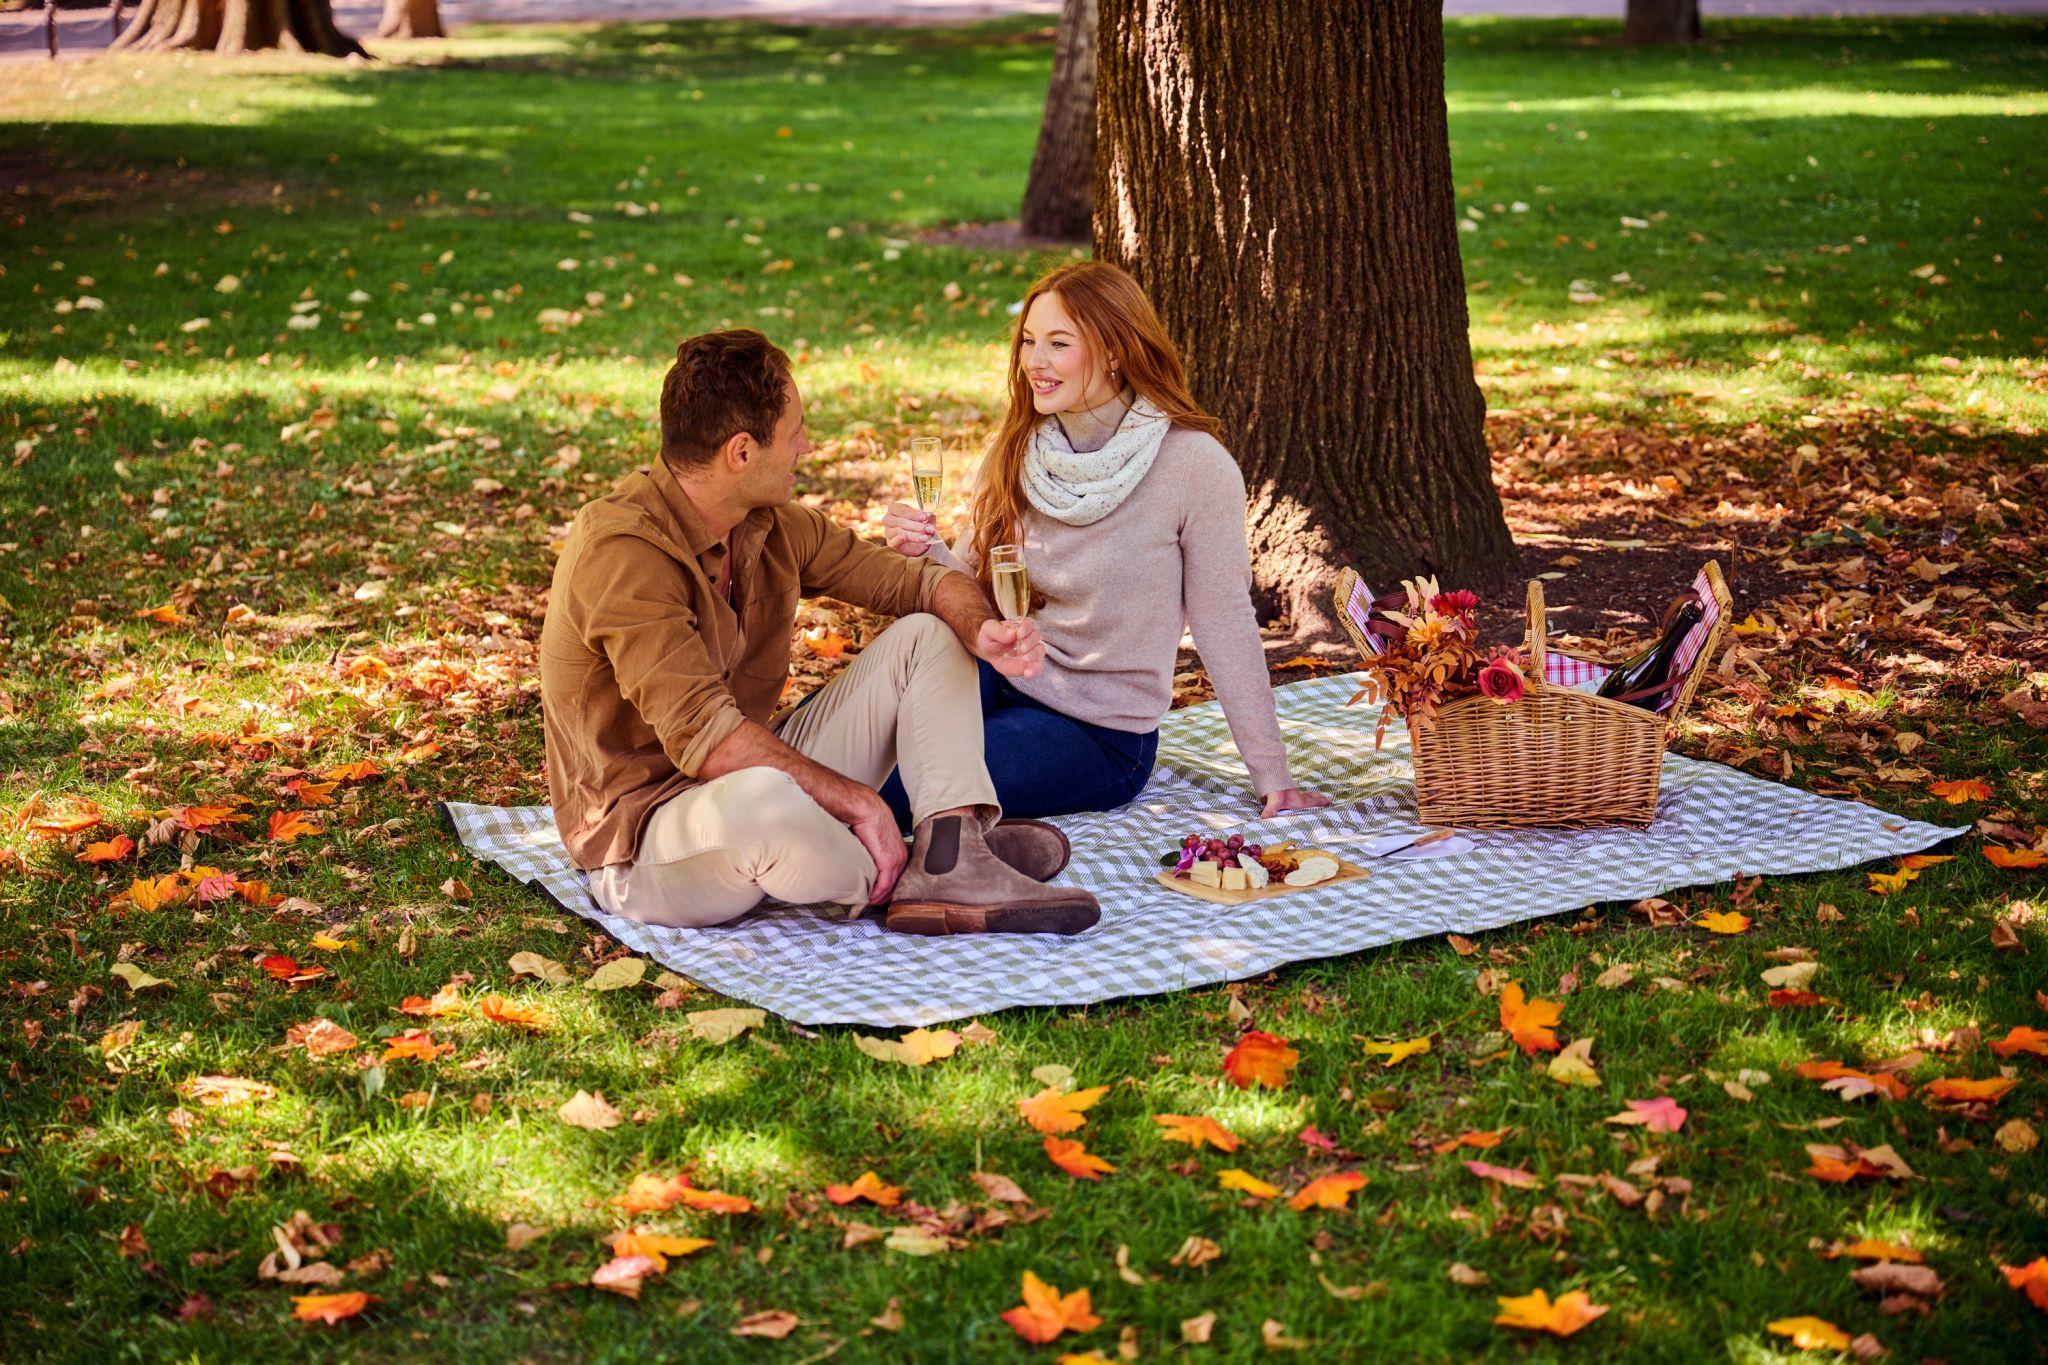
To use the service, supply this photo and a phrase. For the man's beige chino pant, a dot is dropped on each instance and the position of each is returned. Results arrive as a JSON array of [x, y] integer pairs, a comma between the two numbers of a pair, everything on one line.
[[911, 700]]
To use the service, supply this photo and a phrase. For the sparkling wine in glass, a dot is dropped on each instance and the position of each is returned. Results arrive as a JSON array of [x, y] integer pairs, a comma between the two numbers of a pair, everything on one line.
[[1011, 581], [927, 472]]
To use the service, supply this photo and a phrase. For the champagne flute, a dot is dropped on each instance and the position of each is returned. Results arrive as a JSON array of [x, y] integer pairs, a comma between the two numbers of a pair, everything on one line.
[[1010, 580], [927, 472]]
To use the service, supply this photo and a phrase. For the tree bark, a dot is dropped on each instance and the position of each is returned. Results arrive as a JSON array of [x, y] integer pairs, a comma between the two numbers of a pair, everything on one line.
[[1278, 178], [237, 26], [1059, 198], [1662, 21], [411, 19]]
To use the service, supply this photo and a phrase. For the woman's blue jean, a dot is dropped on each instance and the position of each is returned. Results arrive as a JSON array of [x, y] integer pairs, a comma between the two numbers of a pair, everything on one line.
[[1044, 762]]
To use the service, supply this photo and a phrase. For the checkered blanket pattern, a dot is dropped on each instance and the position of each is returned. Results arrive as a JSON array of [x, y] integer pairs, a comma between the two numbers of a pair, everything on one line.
[[805, 963]]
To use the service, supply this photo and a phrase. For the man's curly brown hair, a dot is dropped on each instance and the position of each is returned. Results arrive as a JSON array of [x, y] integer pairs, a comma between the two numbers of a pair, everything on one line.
[[722, 383]]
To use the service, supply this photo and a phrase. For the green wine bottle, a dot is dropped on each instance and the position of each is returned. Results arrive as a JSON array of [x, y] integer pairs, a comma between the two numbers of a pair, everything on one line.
[[1642, 680]]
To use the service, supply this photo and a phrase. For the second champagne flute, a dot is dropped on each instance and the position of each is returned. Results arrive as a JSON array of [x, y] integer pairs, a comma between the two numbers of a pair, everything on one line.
[[1010, 580]]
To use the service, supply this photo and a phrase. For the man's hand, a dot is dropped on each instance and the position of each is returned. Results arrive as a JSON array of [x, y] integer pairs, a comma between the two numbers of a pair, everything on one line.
[[908, 530], [1291, 798], [874, 824], [1014, 649]]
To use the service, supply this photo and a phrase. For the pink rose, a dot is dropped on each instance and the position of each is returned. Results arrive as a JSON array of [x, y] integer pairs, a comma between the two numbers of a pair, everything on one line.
[[1502, 681]]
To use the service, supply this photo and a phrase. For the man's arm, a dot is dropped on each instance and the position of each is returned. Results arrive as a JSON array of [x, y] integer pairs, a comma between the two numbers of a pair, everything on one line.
[[1013, 648], [861, 809]]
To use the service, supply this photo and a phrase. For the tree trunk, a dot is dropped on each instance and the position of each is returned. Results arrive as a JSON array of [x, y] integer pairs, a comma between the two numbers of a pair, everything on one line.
[[1662, 21], [411, 19], [237, 26], [1278, 177], [1059, 199]]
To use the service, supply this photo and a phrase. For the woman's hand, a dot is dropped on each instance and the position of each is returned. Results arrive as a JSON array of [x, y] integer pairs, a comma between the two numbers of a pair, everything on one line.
[[908, 530], [1291, 798]]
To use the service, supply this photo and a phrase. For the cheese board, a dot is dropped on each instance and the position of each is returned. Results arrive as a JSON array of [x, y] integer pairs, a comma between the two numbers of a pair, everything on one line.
[[1346, 872]]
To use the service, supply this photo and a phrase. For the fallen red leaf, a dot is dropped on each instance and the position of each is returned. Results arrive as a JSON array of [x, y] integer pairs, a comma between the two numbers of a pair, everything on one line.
[[1260, 1059]]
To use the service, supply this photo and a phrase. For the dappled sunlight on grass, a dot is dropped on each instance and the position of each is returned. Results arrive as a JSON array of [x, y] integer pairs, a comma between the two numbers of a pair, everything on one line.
[[1688, 332]]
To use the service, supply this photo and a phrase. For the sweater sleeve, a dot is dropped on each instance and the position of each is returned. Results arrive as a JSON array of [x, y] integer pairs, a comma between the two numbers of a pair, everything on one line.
[[955, 558], [1216, 578]]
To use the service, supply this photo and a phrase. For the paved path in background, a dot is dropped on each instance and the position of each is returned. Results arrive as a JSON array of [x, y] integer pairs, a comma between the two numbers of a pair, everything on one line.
[[85, 32]]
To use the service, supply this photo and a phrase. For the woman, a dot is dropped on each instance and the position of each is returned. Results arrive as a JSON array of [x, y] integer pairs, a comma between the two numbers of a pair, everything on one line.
[[1131, 518]]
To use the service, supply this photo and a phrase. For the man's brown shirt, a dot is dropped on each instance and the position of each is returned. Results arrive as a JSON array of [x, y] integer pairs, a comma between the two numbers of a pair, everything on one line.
[[645, 666]]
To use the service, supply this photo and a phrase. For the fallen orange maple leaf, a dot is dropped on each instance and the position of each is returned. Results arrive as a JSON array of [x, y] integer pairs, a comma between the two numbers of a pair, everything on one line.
[[165, 615], [1724, 921], [1246, 1182], [1837, 1171], [312, 793], [415, 1044], [206, 819], [362, 770], [111, 851], [1833, 1070], [419, 751], [446, 1001], [1531, 1023], [1920, 862], [1482, 1138], [2015, 857], [1329, 1191], [1053, 1110], [1536, 1312], [868, 1186], [329, 1308], [2022, 1039], [1811, 1334], [657, 1247], [499, 1010], [1870, 1249], [1961, 790], [1075, 1159], [2031, 1279], [1045, 1312], [1963, 1090], [1260, 1058], [286, 826], [154, 893], [1884, 883], [1195, 1130], [710, 1201]]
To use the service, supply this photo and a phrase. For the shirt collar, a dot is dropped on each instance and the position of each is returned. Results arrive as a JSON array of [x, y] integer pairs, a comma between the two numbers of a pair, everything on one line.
[[697, 538]]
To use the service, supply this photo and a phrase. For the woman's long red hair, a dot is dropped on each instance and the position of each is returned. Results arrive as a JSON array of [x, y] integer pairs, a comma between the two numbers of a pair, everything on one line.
[[1117, 322]]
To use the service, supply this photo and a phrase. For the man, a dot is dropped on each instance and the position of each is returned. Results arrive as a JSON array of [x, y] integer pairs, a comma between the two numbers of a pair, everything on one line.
[[676, 787]]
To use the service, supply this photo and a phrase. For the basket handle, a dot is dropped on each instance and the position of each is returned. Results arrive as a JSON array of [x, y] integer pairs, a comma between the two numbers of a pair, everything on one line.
[[1537, 634], [1718, 586]]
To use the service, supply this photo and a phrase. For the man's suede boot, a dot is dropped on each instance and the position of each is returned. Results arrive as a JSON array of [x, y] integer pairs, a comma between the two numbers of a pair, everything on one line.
[[1033, 847], [955, 884]]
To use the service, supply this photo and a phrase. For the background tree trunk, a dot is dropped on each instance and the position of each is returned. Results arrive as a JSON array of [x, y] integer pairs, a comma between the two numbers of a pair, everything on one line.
[[1278, 177], [411, 19], [237, 26], [1059, 198], [1662, 21]]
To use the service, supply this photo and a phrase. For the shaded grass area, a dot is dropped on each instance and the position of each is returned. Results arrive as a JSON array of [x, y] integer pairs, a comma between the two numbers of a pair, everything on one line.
[[376, 493]]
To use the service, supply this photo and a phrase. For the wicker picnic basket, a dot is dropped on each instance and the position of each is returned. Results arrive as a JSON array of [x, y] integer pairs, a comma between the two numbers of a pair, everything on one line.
[[1557, 758]]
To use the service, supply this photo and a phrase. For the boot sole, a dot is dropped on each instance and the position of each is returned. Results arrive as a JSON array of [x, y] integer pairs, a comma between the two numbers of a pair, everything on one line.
[[941, 918]]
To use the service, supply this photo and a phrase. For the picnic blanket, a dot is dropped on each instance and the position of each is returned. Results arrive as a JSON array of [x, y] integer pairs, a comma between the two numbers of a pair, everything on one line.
[[810, 965]]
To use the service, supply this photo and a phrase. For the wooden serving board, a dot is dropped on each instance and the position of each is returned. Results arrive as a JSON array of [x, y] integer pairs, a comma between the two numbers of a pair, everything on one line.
[[1346, 872]]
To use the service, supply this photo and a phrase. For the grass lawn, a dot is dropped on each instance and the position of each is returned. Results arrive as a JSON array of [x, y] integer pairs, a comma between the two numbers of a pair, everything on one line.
[[304, 366]]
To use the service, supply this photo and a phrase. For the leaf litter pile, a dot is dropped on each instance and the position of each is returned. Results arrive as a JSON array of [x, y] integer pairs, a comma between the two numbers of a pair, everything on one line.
[[282, 1065]]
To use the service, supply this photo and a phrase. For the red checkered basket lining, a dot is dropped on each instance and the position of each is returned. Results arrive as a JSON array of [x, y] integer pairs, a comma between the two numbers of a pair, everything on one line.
[[1583, 675]]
